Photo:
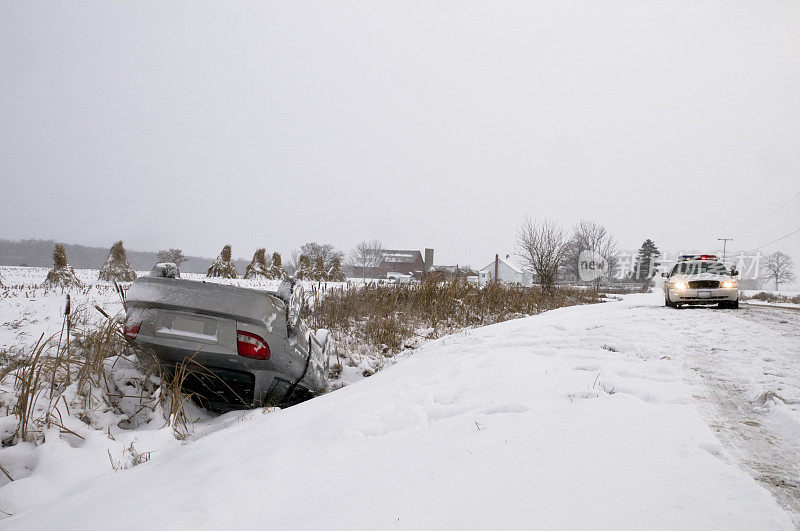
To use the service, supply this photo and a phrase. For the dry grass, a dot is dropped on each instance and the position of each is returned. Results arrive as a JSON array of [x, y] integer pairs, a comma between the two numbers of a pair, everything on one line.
[[175, 399], [42, 376], [92, 347], [72, 375], [130, 458], [387, 316], [27, 385], [626, 289], [773, 297]]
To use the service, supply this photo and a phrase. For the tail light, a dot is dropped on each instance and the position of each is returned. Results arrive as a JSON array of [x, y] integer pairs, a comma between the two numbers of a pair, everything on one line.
[[251, 346], [131, 330]]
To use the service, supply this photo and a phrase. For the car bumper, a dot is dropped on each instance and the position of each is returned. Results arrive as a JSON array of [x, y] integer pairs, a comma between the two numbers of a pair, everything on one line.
[[703, 296], [220, 382]]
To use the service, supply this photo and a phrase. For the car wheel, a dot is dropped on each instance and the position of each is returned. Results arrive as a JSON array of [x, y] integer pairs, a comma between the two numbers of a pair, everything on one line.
[[734, 305], [666, 302]]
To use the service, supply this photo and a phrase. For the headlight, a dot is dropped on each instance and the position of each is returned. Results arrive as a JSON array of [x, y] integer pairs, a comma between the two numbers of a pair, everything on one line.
[[678, 285], [729, 284]]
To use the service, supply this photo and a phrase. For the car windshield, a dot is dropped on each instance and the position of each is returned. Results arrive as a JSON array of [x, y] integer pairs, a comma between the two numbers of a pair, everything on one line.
[[695, 268]]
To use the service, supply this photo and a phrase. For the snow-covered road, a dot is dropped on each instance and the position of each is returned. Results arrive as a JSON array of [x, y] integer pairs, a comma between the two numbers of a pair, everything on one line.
[[617, 415], [748, 391]]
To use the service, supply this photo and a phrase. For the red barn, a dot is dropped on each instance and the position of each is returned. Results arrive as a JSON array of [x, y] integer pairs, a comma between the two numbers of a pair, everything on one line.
[[407, 262]]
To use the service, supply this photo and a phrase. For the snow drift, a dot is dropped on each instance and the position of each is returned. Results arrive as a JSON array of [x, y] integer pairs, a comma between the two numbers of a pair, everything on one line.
[[575, 418]]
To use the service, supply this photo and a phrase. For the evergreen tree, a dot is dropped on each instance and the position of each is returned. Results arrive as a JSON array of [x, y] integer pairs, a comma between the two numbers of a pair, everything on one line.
[[318, 271], [645, 261], [304, 270], [276, 271], [117, 266], [258, 266], [62, 274], [223, 266], [335, 274]]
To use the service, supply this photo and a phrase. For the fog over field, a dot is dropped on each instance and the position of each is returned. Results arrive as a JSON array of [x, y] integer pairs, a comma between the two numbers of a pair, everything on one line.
[[423, 124]]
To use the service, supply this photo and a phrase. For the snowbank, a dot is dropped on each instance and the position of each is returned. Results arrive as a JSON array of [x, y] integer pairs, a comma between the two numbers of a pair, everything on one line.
[[575, 418]]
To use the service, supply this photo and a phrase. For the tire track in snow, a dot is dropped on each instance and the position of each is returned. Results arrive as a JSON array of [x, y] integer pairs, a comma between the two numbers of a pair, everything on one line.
[[739, 415]]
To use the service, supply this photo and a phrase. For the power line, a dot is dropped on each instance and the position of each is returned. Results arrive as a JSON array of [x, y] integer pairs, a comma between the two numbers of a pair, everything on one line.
[[739, 232], [724, 246], [773, 241]]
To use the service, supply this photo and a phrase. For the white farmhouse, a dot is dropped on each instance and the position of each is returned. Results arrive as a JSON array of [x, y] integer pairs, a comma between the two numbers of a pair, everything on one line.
[[506, 272]]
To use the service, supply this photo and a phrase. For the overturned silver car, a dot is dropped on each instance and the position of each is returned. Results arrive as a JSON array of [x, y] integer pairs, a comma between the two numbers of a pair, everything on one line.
[[240, 347]]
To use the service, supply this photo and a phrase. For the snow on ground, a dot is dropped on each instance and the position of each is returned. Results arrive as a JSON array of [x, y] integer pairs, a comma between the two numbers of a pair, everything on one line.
[[784, 292], [784, 298], [29, 312], [756, 302], [748, 390], [588, 416]]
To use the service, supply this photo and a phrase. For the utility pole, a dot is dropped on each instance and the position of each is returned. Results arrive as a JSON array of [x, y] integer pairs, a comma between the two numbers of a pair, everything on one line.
[[724, 246]]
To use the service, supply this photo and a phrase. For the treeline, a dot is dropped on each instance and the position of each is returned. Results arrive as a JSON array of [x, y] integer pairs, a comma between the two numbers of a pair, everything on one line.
[[39, 253]]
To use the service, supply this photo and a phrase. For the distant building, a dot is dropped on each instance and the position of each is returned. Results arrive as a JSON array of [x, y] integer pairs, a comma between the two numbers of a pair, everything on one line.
[[398, 278], [397, 262], [507, 272], [451, 272]]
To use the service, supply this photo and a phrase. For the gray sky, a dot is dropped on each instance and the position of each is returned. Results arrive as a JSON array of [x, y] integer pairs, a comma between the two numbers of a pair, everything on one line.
[[424, 124]]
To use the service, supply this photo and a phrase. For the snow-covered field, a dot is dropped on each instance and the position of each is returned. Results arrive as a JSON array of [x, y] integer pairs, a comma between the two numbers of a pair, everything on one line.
[[618, 415], [27, 310]]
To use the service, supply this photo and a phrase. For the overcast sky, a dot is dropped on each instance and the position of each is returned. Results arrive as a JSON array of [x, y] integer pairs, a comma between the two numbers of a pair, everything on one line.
[[425, 124]]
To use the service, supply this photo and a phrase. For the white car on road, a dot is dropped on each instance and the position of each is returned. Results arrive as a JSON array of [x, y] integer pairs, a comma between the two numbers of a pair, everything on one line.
[[701, 279]]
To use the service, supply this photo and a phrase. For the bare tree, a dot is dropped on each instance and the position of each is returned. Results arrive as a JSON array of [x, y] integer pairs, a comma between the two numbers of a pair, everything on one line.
[[590, 236], [541, 245], [175, 256], [313, 250], [366, 255], [326, 251], [293, 263], [778, 268]]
